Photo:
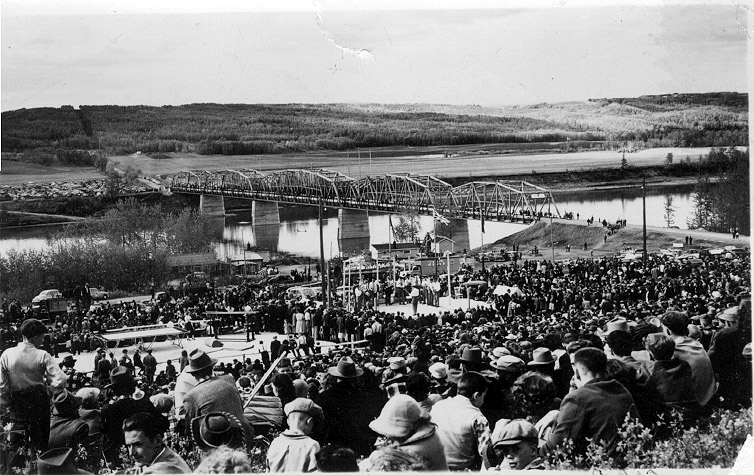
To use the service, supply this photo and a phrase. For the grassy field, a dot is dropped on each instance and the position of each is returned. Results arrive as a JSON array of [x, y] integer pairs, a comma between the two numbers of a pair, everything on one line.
[[357, 166], [460, 164]]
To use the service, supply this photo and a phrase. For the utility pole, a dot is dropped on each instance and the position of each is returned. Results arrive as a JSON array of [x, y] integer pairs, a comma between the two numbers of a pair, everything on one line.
[[322, 253], [552, 244], [644, 219]]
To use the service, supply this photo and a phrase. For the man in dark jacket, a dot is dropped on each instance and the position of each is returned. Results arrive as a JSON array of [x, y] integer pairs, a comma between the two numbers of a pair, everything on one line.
[[727, 359], [212, 393], [666, 378], [150, 366], [118, 409], [274, 347], [348, 409], [66, 429], [595, 410]]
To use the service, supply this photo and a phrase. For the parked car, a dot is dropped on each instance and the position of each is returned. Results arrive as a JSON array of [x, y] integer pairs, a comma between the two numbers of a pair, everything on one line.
[[98, 294], [46, 295], [298, 293], [49, 302]]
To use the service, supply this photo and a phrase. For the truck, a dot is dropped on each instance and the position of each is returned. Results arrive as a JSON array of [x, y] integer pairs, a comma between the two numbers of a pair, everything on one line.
[[48, 303]]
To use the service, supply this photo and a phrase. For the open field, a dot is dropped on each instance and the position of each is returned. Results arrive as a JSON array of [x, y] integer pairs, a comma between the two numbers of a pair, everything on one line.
[[15, 172], [351, 164], [437, 165]]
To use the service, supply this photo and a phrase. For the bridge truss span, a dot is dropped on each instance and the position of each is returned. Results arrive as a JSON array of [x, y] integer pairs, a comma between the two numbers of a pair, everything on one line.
[[510, 201]]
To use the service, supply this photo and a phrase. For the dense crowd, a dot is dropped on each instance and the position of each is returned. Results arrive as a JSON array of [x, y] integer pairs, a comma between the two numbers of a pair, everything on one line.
[[556, 360]]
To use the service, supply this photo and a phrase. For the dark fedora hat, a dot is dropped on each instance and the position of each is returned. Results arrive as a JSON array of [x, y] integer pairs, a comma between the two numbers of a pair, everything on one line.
[[68, 361], [199, 360], [66, 403], [216, 429], [472, 355], [541, 356], [345, 369], [121, 376], [58, 461]]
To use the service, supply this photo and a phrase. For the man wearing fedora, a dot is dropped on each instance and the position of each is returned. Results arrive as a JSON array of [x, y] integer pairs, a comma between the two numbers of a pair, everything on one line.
[[348, 409], [76, 380], [218, 429], [212, 393], [25, 372], [118, 408], [66, 428]]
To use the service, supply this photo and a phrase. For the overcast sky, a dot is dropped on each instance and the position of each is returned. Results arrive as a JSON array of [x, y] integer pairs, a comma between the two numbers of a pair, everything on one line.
[[125, 53]]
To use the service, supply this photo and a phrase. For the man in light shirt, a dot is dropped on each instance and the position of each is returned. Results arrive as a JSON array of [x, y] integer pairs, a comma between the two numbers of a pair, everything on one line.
[[25, 373]]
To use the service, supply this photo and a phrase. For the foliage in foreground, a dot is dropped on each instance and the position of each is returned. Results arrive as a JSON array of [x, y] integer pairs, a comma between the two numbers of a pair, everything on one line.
[[712, 442]]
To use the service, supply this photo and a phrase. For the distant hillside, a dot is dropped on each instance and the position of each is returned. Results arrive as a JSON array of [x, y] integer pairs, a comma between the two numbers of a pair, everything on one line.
[[686, 120]]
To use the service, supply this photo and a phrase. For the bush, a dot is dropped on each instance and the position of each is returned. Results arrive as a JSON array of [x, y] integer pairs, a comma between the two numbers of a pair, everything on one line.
[[711, 442]]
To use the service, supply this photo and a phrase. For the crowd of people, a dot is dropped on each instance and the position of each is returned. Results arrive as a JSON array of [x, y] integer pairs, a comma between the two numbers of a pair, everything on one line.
[[556, 362]]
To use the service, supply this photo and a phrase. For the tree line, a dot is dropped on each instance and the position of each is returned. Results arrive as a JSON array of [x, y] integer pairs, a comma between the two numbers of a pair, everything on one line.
[[723, 204], [687, 121], [126, 249]]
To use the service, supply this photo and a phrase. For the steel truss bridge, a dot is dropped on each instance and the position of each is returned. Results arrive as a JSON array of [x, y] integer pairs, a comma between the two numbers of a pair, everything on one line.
[[394, 192]]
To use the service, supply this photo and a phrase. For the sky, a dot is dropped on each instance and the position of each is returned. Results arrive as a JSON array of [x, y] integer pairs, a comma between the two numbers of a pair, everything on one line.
[[68, 52]]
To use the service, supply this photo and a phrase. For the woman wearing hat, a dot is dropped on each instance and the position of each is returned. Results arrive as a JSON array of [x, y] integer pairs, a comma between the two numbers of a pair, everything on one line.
[[402, 424]]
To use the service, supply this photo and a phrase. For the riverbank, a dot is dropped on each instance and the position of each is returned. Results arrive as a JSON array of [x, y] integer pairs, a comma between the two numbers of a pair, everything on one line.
[[563, 186], [576, 234]]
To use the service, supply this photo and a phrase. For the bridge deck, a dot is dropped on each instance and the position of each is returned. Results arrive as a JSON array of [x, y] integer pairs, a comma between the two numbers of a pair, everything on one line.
[[393, 193]]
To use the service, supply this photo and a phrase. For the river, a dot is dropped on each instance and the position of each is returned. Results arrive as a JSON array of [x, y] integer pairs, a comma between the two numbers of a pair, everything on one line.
[[298, 231]]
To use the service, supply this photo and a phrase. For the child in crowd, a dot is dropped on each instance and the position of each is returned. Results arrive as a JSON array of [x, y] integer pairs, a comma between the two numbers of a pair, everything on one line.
[[293, 450], [514, 444]]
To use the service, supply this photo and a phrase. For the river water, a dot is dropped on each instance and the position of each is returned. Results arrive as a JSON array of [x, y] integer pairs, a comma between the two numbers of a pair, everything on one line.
[[298, 232]]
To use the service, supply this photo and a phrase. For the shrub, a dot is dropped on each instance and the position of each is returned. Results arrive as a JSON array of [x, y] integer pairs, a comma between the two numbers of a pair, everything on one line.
[[711, 442]]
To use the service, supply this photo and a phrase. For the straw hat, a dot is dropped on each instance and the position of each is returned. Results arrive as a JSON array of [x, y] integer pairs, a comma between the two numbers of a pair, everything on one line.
[[438, 370], [508, 363], [730, 314]]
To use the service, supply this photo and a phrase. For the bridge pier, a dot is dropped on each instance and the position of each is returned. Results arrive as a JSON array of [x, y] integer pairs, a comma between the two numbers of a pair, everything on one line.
[[211, 205], [354, 231], [216, 224], [264, 213], [266, 236]]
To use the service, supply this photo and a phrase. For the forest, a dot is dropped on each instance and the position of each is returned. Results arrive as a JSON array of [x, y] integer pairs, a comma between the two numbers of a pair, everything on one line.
[[676, 120]]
